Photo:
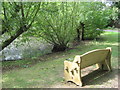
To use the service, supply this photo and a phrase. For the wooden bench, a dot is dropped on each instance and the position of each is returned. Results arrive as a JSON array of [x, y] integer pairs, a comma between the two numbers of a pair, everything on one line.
[[100, 57]]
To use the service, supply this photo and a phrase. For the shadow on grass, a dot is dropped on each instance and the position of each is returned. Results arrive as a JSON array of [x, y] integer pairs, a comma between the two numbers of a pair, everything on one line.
[[98, 77]]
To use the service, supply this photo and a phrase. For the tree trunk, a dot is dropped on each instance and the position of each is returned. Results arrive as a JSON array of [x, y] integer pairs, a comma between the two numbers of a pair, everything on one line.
[[83, 31], [13, 37], [57, 48], [78, 34]]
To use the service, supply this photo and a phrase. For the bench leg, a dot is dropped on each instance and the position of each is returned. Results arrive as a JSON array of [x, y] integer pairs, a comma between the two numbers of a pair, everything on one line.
[[104, 65], [72, 73], [108, 62], [77, 78], [99, 66]]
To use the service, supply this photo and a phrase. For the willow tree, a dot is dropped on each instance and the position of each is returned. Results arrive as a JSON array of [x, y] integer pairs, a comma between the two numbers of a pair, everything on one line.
[[17, 18], [57, 24]]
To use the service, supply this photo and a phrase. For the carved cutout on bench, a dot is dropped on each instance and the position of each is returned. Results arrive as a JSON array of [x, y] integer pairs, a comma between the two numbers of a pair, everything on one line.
[[77, 63], [67, 69], [76, 70], [72, 72]]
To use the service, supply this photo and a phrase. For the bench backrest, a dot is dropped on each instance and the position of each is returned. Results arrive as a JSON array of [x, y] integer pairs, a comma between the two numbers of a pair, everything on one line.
[[93, 57]]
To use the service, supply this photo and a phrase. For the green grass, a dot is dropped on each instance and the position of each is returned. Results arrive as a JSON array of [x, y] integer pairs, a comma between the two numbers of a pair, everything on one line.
[[47, 70]]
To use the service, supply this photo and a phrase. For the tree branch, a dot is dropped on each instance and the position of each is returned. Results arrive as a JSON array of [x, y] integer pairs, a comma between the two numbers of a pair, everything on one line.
[[22, 10], [28, 11], [23, 28], [34, 15]]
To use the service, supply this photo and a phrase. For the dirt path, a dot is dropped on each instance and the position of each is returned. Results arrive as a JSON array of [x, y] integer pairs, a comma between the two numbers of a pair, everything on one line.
[[108, 30]]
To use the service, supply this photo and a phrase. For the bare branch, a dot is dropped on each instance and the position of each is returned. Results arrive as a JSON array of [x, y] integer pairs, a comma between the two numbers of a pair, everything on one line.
[[4, 9], [28, 10], [34, 15], [22, 9]]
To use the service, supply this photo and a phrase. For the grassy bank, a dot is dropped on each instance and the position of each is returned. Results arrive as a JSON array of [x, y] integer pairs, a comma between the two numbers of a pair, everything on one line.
[[47, 70]]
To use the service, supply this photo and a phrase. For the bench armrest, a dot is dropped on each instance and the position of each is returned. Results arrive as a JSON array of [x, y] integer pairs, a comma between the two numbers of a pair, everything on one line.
[[77, 59], [69, 66]]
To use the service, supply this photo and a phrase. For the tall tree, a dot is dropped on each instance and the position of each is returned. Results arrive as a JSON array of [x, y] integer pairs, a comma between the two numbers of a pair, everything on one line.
[[57, 24], [17, 18], [93, 15], [58, 21]]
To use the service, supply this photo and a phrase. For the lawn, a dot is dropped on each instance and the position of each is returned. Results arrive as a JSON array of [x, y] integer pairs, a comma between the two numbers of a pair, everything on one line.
[[47, 71]]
